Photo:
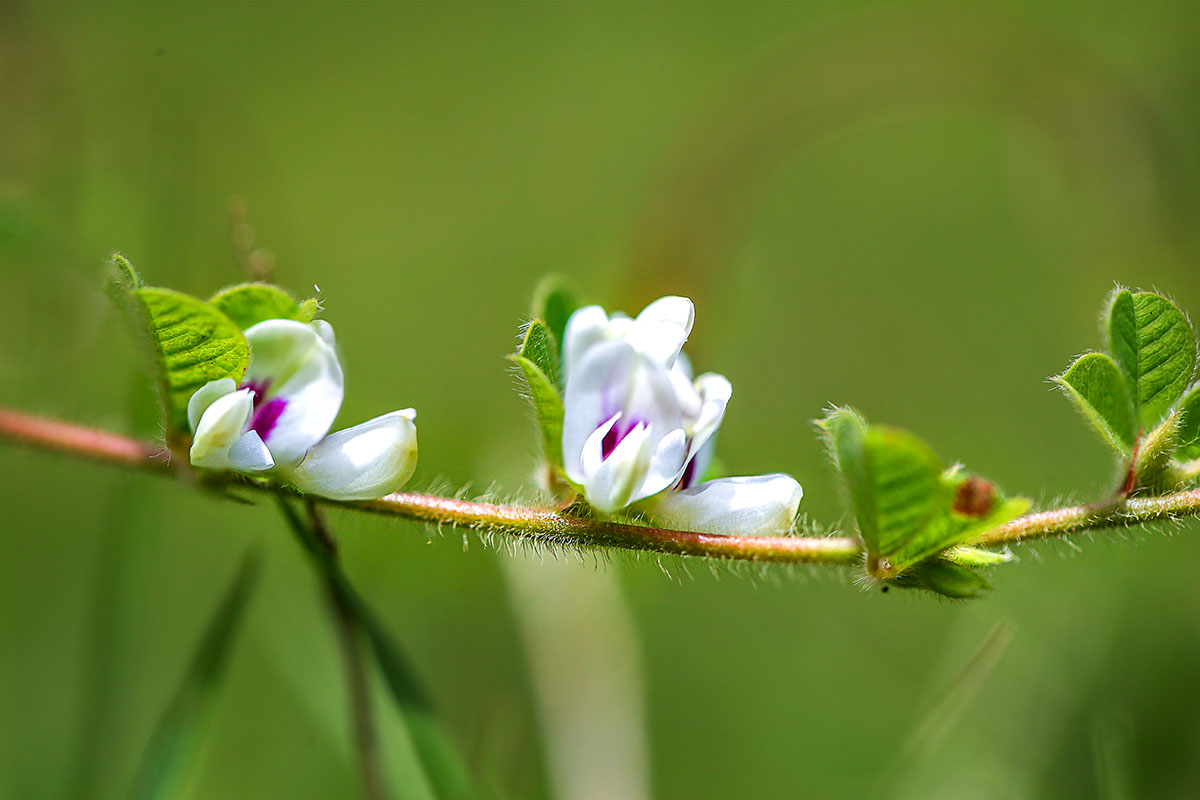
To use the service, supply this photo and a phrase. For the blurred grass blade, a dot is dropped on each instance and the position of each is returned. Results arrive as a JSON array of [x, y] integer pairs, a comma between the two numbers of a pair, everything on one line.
[[1111, 757], [179, 730], [942, 716], [444, 769], [101, 664]]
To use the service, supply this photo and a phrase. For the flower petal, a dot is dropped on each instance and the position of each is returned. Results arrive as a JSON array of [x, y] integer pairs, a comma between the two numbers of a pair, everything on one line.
[[683, 365], [662, 328], [612, 379], [690, 402], [761, 505], [698, 463], [363, 462], [586, 401], [610, 485], [325, 331], [297, 364], [591, 457], [658, 332], [666, 464], [586, 327], [249, 454], [714, 391], [219, 428], [205, 396]]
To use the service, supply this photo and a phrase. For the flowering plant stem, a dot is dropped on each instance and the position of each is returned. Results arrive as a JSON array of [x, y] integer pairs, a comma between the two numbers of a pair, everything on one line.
[[562, 527]]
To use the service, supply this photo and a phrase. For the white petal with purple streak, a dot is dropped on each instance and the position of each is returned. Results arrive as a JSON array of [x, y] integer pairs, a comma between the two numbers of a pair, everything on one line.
[[221, 440], [299, 385]]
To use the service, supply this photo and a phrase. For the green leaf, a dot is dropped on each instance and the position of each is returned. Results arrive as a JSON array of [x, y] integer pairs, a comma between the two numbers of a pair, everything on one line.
[[179, 729], [1153, 343], [539, 346], [845, 431], [977, 556], [1155, 451], [1189, 427], [910, 497], [546, 404], [195, 344], [553, 303], [538, 362], [248, 304], [124, 275], [123, 281], [960, 524], [1096, 386], [948, 579]]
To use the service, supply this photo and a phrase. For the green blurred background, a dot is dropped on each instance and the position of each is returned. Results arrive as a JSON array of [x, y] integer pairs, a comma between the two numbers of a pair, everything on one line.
[[915, 209]]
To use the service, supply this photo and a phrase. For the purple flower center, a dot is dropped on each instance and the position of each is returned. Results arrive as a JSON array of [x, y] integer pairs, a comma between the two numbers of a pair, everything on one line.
[[267, 411], [689, 475], [616, 434], [259, 388], [266, 415]]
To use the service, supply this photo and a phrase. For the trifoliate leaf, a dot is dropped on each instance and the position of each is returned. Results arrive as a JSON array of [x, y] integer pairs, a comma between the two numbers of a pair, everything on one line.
[[907, 509], [248, 304], [195, 344], [1153, 343], [1189, 427], [1097, 387], [553, 303], [538, 361]]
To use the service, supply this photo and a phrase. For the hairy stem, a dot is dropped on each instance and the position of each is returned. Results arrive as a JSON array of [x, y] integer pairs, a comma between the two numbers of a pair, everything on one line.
[[562, 527]]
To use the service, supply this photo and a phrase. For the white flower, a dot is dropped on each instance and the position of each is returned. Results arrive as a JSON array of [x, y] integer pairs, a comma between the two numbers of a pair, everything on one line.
[[765, 503], [363, 462], [637, 425], [278, 419], [659, 331], [218, 414]]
